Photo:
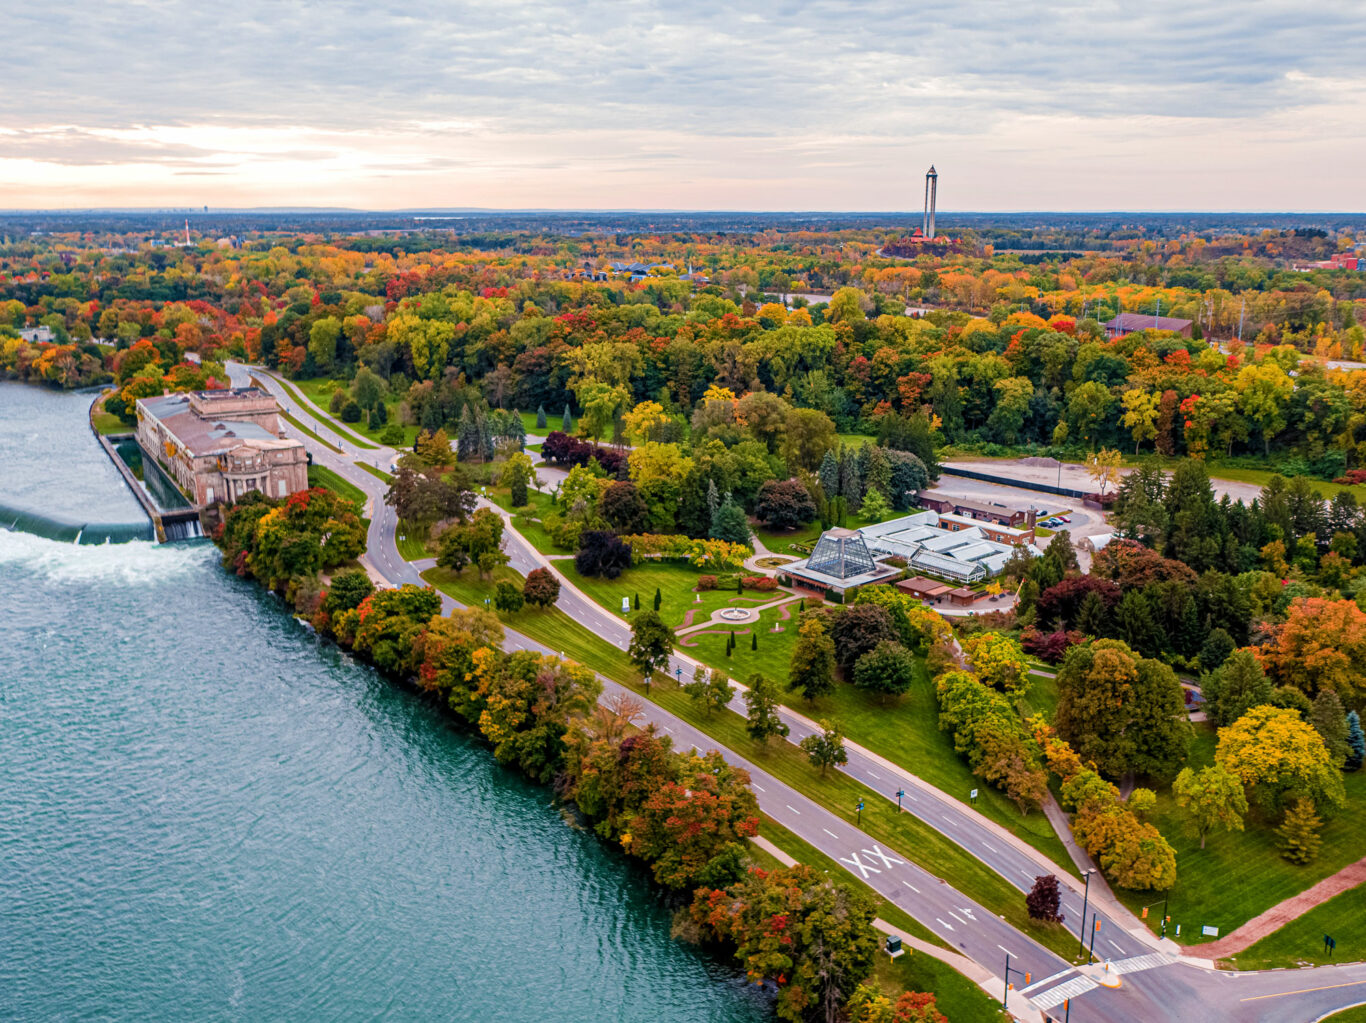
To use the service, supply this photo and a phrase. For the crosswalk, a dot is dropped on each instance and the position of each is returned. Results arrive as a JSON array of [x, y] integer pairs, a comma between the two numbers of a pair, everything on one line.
[[1138, 964], [1079, 985], [1055, 996]]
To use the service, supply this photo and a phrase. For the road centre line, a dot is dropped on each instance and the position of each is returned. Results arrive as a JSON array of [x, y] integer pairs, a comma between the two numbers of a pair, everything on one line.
[[1301, 991], [830, 833], [759, 787], [1006, 950], [793, 809], [942, 923], [911, 887]]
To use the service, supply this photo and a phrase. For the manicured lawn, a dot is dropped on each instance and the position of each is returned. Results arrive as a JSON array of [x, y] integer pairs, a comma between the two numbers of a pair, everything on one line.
[[1240, 874], [1357, 1014], [905, 732], [536, 535], [1343, 917], [836, 791], [856, 440], [551, 423], [321, 476], [307, 432], [777, 540], [377, 473], [319, 391], [675, 581], [107, 422], [412, 548]]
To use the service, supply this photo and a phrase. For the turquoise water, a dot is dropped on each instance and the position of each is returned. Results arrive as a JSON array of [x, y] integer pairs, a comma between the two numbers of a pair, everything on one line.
[[206, 814]]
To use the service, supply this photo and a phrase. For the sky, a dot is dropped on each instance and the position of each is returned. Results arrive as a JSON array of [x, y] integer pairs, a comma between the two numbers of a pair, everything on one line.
[[702, 104]]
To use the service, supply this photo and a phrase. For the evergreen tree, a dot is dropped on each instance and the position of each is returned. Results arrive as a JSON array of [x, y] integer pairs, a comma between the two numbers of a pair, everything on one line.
[[1136, 625], [1091, 615], [1216, 649], [851, 488], [467, 437], [1235, 687], [1299, 832], [829, 474], [568, 424], [713, 502], [754, 641], [379, 415], [729, 523], [485, 431], [879, 474], [1330, 722], [1356, 742], [635, 604], [541, 421], [659, 598]]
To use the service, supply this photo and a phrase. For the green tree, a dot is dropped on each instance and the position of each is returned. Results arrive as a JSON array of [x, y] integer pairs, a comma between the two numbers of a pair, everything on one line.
[[888, 670], [825, 749], [507, 597], [1329, 719], [729, 523], [761, 701], [875, 507], [322, 342], [1235, 687], [652, 643], [1212, 798], [517, 473], [812, 666], [711, 689]]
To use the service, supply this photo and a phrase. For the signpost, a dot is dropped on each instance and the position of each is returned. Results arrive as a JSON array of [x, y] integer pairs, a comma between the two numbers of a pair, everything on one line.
[[1328, 945], [973, 796], [899, 794], [860, 813], [625, 605]]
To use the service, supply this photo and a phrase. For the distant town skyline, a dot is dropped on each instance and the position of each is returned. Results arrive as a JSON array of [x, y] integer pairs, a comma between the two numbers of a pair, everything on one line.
[[645, 105]]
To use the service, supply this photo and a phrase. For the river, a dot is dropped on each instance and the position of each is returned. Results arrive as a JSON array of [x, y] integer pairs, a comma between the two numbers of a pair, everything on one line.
[[207, 814]]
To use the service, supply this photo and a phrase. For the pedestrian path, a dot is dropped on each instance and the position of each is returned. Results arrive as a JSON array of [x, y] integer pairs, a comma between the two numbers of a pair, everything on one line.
[[1056, 996]]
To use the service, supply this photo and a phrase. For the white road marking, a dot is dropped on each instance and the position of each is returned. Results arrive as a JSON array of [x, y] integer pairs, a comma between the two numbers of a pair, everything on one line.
[[1115, 947], [887, 861], [1074, 987], [950, 820], [958, 918], [1048, 980], [1005, 950], [830, 833], [967, 913], [989, 846], [911, 887], [872, 775], [793, 809], [1026, 873], [944, 924], [865, 868], [759, 787]]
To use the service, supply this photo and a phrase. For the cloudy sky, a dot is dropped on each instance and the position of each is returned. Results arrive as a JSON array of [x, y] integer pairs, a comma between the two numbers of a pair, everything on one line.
[[1030, 104]]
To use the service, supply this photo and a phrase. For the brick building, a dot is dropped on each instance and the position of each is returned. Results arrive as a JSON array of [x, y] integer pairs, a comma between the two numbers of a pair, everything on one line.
[[217, 445]]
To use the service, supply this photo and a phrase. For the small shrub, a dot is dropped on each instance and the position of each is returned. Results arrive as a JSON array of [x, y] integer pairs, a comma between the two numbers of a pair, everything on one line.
[[765, 584], [706, 582]]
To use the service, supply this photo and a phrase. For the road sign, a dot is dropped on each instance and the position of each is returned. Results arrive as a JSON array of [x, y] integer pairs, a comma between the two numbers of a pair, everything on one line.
[[1209, 932], [973, 795], [625, 605]]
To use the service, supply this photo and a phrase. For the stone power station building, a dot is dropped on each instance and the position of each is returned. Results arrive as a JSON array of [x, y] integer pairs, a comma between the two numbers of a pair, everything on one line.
[[218, 445]]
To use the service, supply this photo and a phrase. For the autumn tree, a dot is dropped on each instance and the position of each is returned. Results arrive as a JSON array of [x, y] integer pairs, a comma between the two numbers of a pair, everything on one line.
[[859, 628], [1320, 645], [1299, 832], [998, 661], [813, 937], [870, 1005], [1210, 798], [1277, 755], [1044, 901], [1121, 711], [542, 588], [784, 504]]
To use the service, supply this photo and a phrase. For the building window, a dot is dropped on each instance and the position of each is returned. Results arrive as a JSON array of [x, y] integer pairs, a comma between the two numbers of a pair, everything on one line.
[[282, 486]]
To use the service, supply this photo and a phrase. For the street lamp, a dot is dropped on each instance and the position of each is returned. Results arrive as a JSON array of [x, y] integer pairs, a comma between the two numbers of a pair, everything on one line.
[[1086, 894], [899, 794]]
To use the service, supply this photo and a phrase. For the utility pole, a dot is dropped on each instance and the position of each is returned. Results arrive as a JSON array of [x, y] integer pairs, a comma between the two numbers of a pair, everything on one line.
[[1086, 894], [1095, 929], [1005, 998]]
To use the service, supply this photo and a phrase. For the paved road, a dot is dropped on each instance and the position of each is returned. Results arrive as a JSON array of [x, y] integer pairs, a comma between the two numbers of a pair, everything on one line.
[[1154, 985]]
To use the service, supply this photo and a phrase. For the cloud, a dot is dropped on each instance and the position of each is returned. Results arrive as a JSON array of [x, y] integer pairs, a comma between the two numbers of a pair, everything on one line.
[[783, 89]]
